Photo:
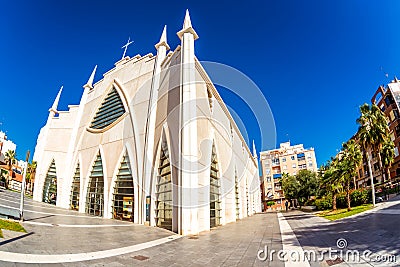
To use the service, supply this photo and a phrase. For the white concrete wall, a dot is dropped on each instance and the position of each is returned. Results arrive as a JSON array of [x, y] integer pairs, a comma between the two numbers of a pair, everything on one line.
[[133, 80]]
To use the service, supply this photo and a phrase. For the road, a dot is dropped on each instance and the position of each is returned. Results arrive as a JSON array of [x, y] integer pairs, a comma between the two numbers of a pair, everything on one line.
[[375, 233]]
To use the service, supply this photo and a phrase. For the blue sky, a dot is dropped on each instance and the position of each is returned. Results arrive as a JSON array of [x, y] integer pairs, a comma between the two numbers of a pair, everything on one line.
[[316, 61]]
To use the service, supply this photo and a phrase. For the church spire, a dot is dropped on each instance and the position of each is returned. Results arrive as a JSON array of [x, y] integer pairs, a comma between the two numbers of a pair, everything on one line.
[[187, 27], [55, 103], [254, 150], [89, 83], [163, 39]]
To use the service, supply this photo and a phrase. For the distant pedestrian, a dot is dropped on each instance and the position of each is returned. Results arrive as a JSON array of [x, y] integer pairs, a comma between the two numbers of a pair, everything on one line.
[[287, 205]]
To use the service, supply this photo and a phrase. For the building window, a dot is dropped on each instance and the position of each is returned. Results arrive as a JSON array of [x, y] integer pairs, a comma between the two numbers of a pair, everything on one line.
[[300, 156], [50, 185], [247, 200], [110, 110], [285, 167], [268, 179], [215, 202], [123, 197], [237, 197], [397, 130], [396, 113], [397, 172], [292, 157], [164, 190], [95, 191], [275, 161], [310, 164], [294, 165], [75, 190], [283, 159], [388, 100]]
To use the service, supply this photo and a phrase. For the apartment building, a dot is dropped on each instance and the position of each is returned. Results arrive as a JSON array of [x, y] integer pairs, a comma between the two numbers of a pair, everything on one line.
[[285, 159], [387, 98]]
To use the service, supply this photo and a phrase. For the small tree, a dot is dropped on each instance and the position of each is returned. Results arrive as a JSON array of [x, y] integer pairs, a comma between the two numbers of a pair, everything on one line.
[[290, 186], [350, 159], [332, 179], [308, 184], [10, 159], [300, 186], [30, 173]]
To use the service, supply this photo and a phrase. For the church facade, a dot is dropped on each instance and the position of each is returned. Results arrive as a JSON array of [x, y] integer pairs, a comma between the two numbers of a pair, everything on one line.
[[152, 142]]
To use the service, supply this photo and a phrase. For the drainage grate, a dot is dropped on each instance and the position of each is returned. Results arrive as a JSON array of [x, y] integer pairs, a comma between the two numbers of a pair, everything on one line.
[[193, 237], [140, 257], [334, 262]]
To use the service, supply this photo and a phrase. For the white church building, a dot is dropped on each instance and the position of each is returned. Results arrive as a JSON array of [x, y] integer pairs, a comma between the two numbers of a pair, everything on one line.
[[152, 142]]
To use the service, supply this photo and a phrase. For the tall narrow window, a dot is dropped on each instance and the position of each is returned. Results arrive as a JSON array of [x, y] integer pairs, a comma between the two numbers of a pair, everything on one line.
[[50, 185], [123, 197], [110, 110], [164, 191], [95, 191], [215, 203], [75, 190], [237, 197], [247, 199]]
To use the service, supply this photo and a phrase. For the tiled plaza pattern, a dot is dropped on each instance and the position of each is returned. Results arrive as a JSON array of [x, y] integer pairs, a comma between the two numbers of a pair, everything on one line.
[[235, 244], [54, 231]]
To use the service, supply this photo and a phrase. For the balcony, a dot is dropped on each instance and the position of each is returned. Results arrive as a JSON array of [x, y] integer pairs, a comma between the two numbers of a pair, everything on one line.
[[277, 175]]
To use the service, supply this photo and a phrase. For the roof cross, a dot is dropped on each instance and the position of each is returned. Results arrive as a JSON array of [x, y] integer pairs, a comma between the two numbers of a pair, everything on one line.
[[126, 46]]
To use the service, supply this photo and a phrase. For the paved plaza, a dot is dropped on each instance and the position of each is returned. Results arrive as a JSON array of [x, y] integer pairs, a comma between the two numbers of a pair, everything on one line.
[[67, 238], [59, 237]]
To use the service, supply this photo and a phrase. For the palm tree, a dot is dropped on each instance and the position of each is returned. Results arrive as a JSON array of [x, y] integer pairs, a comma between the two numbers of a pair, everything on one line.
[[350, 160], [332, 179], [372, 133], [31, 171], [387, 156], [10, 159]]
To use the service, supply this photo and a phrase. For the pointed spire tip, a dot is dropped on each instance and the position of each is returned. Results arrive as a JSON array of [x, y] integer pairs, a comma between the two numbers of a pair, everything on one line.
[[55, 103], [163, 39], [91, 79], [187, 26]]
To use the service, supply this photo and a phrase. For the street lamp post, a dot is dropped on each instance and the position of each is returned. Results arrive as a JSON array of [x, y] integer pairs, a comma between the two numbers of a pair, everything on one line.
[[21, 206]]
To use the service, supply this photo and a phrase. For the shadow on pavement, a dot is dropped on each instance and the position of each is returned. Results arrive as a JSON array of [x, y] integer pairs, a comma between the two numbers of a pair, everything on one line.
[[37, 218], [377, 231], [15, 238]]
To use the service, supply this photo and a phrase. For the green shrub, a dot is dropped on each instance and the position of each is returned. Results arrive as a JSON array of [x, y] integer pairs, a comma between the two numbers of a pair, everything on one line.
[[310, 202], [270, 203], [323, 203], [360, 197]]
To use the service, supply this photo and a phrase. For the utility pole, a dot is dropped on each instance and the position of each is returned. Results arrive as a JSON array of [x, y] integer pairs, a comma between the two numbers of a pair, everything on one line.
[[21, 206]]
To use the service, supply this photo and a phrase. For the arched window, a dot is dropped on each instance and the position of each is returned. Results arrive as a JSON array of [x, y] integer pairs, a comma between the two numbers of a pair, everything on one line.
[[164, 190], [215, 202], [123, 197], [75, 190], [110, 110], [95, 191], [50, 185]]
